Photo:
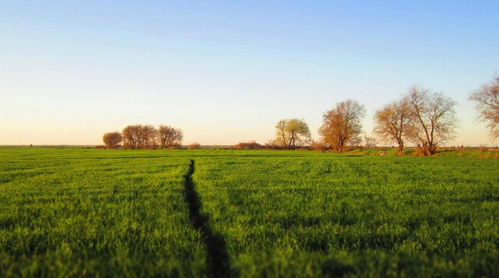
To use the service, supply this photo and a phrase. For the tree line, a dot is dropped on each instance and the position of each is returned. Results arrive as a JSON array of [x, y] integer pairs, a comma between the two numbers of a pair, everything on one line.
[[425, 118], [144, 137]]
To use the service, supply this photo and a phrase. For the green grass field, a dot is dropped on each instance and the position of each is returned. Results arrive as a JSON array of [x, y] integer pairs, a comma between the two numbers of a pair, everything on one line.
[[201, 213]]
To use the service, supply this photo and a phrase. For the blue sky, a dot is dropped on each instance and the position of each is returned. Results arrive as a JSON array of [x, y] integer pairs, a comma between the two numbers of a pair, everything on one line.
[[227, 71]]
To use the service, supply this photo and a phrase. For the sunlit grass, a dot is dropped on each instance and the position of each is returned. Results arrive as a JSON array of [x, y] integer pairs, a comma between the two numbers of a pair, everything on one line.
[[321, 215], [89, 212]]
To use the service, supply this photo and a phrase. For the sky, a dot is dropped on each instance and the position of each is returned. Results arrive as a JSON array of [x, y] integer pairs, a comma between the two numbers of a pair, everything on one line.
[[227, 71]]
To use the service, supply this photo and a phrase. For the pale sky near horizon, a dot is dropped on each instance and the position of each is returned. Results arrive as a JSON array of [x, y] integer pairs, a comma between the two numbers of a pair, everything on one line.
[[227, 71]]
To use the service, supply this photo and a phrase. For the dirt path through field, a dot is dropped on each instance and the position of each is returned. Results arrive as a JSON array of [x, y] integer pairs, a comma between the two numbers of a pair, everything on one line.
[[218, 257]]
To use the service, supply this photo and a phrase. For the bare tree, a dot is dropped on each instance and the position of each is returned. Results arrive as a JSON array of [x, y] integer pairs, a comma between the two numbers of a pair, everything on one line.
[[487, 104], [281, 134], [298, 133], [139, 137], [434, 119], [169, 136], [342, 125], [131, 136], [147, 137], [112, 140], [394, 123], [292, 133]]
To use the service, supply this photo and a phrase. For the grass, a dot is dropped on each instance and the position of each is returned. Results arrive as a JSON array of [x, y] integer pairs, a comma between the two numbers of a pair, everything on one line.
[[443, 152], [332, 215], [87, 212], [78, 213]]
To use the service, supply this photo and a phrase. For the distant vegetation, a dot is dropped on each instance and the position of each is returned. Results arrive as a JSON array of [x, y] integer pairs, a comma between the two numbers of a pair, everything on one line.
[[112, 139], [144, 137], [425, 118], [422, 118], [342, 125], [249, 146], [194, 146], [291, 134]]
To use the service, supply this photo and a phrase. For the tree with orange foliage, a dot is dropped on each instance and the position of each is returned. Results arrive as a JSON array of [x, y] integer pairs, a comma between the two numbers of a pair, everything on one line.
[[342, 125]]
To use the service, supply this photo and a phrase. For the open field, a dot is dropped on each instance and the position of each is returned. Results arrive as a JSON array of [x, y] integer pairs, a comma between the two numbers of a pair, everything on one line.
[[71, 212], [315, 215], [74, 212]]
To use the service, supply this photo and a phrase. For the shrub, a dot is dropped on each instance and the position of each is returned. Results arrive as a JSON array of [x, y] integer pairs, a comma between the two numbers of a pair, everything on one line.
[[319, 146], [252, 145], [194, 146]]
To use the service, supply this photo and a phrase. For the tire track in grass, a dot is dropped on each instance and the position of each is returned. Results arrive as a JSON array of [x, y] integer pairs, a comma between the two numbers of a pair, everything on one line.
[[218, 257]]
